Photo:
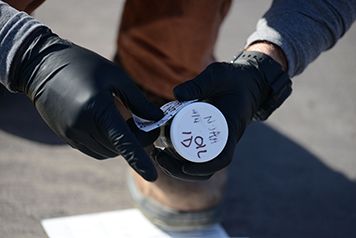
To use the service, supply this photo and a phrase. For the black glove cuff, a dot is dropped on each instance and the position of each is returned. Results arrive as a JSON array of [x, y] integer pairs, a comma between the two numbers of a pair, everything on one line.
[[273, 75]]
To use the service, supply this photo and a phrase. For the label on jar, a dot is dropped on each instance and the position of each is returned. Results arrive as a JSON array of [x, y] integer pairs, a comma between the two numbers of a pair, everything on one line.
[[199, 132], [169, 109]]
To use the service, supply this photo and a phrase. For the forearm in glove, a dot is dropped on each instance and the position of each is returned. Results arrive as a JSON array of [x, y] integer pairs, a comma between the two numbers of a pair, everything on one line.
[[73, 90], [252, 86]]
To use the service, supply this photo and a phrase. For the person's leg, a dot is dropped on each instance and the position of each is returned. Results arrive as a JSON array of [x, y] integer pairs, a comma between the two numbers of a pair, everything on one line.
[[162, 44]]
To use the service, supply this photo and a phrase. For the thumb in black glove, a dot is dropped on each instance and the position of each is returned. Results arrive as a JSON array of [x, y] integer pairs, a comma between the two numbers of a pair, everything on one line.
[[73, 90], [238, 90]]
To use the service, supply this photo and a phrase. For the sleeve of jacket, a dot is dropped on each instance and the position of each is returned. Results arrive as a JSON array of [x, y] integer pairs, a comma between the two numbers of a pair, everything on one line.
[[304, 28], [15, 26]]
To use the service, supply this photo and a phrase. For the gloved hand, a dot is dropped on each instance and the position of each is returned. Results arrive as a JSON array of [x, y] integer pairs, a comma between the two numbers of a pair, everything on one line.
[[253, 86], [73, 90]]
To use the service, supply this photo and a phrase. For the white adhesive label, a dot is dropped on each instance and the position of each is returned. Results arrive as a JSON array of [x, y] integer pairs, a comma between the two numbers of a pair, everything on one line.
[[169, 109], [199, 132]]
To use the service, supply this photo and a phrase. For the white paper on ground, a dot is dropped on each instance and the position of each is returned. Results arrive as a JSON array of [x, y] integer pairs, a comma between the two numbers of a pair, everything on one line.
[[125, 223]]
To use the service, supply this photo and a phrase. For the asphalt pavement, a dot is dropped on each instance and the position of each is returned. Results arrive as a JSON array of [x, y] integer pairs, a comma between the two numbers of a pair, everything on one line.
[[294, 176]]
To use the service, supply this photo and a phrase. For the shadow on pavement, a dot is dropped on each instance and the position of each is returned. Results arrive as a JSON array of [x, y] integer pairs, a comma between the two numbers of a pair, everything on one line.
[[20, 118], [279, 189], [276, 187]]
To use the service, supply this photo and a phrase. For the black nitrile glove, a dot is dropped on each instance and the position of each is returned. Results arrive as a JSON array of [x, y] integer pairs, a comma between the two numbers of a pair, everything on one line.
[[252, 86], [73, 90]]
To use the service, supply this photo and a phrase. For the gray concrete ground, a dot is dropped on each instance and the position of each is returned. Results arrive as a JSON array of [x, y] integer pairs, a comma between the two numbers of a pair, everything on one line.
[[292, 177]]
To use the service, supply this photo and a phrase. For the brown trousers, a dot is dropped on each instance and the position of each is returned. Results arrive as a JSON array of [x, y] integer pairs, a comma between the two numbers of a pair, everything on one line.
[[162, 43], [25, 5]]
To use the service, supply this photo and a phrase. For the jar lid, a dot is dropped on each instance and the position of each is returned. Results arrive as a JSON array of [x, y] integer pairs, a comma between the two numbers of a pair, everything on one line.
[[199, 132]]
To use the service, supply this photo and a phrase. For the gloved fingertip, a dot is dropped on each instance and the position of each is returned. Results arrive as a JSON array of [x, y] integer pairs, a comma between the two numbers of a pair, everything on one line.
[[148, 111], [196, 170], [150, 177], [140, 162], [156, 114], [148, 172], [145, 138], [181, 93], [197, 174]]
